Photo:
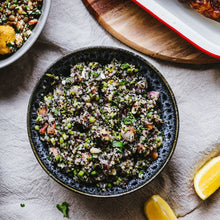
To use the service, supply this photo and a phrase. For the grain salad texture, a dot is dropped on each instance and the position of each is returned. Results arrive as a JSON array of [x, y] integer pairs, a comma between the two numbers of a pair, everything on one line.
[[101, 124], [22, 16]]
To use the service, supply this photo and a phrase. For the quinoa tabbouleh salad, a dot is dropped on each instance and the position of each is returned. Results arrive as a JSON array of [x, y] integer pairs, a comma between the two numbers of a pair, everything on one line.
[[17, 20], [101, 124]]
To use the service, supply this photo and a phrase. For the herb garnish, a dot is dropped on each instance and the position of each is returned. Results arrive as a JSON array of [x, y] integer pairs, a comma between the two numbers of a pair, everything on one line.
[[63, 207], [129, 120], [117, 144]]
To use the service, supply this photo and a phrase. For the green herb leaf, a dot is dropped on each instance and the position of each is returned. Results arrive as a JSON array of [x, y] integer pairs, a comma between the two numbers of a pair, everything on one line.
[[128, 120], [123, 82], [161, 134], [22, 205], [94, 74], [119, 150], [56, 111], [8, 44], [118, 144], [126, 65], [63, 207]]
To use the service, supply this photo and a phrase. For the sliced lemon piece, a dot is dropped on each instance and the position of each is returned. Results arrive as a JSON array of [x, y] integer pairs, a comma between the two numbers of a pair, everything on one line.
[[207, 179], [157, 209]]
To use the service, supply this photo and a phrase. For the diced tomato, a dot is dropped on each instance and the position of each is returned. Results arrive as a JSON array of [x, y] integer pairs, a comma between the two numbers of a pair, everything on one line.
[[51, 128], [43, 129], [85, 156], [150, 126], [154, 155], [42, 111], [140, 146], [31, 22], [131, 129], [94, 91]]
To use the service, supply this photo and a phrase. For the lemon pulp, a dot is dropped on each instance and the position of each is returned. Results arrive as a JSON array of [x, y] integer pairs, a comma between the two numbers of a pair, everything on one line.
[[207, 179]]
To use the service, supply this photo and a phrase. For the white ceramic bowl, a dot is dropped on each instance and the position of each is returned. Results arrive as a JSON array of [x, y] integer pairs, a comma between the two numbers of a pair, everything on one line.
[[31, 40]]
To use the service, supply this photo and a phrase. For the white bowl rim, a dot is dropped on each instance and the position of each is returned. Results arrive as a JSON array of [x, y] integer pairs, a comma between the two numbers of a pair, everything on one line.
[[31, 40]]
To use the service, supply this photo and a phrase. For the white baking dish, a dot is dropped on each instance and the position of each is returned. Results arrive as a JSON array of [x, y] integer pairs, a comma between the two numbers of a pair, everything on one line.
[[200, 31]]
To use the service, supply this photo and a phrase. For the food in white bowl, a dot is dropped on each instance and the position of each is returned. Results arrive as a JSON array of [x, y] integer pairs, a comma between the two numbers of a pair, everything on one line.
[[17, 20], [21, 23]]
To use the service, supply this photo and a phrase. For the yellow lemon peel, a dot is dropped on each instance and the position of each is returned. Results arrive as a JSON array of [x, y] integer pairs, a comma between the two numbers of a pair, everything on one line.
[[207, 179], [157, 209]]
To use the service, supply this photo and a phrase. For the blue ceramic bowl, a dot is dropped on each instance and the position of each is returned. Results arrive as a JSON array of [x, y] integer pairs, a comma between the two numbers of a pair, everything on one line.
[[156, 82]]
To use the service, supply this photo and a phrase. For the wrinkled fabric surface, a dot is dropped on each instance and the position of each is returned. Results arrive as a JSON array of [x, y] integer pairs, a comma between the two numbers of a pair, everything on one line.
[[22, 180]]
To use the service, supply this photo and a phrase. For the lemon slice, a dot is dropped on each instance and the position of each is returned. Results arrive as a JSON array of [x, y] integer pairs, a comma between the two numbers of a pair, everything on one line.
[[207, 179], [158, 209]]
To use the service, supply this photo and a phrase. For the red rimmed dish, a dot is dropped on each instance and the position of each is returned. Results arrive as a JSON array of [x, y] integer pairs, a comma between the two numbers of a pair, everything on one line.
[[200, 31]]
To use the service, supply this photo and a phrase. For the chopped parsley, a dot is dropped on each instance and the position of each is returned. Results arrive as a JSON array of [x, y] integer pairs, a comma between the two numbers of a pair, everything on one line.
[[117, 144], [64, 208], [129, 120]]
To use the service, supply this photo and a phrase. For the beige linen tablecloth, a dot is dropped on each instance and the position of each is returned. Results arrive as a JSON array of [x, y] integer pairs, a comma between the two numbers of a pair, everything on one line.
[[22, 180]]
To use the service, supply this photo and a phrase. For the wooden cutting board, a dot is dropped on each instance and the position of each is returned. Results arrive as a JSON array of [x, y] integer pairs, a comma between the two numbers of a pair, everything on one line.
[[135, 27]]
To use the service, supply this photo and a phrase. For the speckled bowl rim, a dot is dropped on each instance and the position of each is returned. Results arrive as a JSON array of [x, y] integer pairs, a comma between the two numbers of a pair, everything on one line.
[[32, 39], [175, 110]]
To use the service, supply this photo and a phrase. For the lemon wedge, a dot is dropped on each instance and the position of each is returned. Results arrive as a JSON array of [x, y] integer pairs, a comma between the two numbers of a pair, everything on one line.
[[207, 179], [157, 209]]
